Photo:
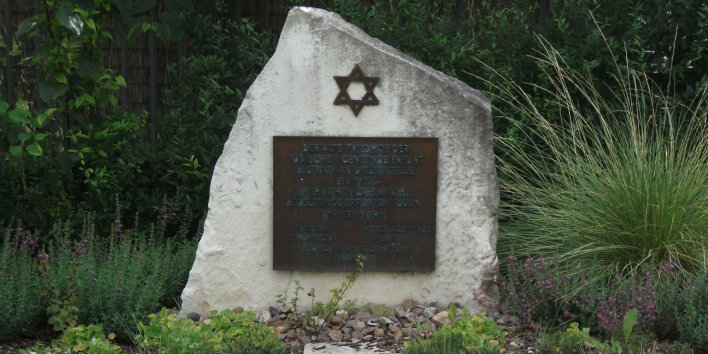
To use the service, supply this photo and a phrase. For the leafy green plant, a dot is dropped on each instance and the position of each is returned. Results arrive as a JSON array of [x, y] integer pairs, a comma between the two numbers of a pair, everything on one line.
[[80, 339], [62, 309], [692, 313], [351, 306], [379, 310], [444, 342], [320, 313], [572, 340], [617, 185], [226, 55], [19, 281], [575, 340], [534, 290], [679, 348], [224, 332], [283, 302], [120, 278], [467, 334], [76, 147], [682, 309]]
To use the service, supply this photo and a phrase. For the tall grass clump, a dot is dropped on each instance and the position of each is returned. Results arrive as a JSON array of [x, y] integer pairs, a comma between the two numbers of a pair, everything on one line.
[[19, 282], [615, 182]]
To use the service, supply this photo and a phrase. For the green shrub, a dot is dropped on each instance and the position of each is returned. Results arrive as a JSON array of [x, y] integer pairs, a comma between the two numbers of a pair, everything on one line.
[[120, 278], [80, 339], [692, 314], [76, 149], [444, 342], [617, 185], [224, 332], [572, 340], [534, 290], [468, 334], [19, 282], [682, 310], [226, 55]]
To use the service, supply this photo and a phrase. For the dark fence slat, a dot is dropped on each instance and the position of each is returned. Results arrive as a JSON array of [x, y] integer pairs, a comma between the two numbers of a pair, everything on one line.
[[153, 95], [9, 60]]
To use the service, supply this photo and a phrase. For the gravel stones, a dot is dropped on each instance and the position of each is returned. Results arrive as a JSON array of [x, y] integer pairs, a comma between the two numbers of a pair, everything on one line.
[[359, 325], [336, 335], [429, 312], [193, 316], [265, 316], [442, 318], [378, 323], [385, 321]]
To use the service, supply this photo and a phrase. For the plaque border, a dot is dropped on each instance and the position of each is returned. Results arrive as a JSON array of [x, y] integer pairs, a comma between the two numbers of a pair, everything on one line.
[[410, 268]]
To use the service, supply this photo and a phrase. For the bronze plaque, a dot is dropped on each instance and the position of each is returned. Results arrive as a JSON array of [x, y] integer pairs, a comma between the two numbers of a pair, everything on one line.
[[336, 197]]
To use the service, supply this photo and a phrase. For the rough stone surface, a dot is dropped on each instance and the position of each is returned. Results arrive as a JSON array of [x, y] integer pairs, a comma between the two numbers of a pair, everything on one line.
[[327, 348], [264, 317], [294, 96], [335, 335], [442, 318], [429, 312], [358, 325]]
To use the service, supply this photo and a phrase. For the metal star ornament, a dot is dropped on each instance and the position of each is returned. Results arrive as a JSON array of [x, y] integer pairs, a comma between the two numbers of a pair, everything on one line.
[[357, 75]]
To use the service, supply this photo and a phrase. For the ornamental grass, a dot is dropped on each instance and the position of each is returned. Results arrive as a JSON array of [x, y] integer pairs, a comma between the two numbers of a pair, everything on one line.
[[615, 181]]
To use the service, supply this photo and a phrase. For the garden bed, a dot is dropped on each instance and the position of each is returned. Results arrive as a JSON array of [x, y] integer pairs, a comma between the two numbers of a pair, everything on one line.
[[376, 333]]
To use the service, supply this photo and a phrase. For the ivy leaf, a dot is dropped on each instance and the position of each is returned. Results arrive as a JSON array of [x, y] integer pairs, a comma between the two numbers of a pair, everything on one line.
[[88, 98], [19, 116], [16, 150], [49, 90], [91, 24], [34, 149], [26, 26], [4, 106], [23, 137], [163, 31], [42, 117], [61, 78]]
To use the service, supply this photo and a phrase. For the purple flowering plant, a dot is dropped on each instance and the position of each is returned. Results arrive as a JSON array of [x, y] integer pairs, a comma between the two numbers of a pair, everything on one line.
[[535, 291]]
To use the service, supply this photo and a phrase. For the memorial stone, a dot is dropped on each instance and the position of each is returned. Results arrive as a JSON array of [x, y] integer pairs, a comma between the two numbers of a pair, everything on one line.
[[346, 146]]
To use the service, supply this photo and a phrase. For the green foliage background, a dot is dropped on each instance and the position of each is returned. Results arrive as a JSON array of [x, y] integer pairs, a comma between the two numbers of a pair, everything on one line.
[[78, 150]]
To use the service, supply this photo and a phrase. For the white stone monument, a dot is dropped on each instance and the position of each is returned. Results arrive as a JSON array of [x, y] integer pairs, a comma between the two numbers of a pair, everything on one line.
[[296, 95]]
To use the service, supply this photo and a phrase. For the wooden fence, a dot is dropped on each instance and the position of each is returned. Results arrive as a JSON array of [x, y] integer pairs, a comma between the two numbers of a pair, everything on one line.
[[144, 62]]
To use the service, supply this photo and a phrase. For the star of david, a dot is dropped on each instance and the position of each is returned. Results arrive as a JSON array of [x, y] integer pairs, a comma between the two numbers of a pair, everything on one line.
[[356, 75]]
